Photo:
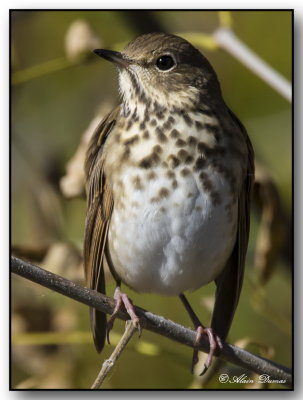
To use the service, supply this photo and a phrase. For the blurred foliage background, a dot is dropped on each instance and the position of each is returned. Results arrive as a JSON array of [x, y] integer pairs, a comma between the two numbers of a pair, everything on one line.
[[59, 90]]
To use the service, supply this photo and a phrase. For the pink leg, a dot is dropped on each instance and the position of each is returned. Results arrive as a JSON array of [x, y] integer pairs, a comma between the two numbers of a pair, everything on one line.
[[214, 340], [122, 300], [214, 343]]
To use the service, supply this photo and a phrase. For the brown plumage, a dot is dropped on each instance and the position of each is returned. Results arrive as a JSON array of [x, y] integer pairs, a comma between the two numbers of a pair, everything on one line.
[[181, 153], [99, 210]]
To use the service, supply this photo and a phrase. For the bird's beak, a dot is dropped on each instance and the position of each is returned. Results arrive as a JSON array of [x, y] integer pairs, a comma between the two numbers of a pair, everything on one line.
[[113, 56]]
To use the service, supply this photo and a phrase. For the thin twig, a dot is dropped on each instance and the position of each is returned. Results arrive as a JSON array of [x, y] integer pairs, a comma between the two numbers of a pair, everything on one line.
[[108, 364], [226, 38], [151, 322]]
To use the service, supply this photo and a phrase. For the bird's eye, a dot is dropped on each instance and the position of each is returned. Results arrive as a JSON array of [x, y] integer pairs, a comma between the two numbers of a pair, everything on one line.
[[164, 63]]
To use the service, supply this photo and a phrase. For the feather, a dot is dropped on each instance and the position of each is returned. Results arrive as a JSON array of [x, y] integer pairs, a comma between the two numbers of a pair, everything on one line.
[[229, 282], [99, 210]]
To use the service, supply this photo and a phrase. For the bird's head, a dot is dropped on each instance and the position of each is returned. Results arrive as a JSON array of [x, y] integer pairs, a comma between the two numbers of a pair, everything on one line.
[[163, 69]]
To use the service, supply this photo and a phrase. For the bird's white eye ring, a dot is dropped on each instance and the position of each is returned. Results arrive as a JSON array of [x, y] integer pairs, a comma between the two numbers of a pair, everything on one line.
[[165, 62]]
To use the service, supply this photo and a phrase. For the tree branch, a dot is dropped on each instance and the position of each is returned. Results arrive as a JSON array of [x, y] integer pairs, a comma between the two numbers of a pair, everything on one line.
[[227, 39], [108, 364], [151, 322]]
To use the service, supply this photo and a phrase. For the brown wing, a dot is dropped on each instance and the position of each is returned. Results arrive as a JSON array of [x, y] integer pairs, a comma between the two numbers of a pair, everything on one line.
[[229, 282], [99, 211]]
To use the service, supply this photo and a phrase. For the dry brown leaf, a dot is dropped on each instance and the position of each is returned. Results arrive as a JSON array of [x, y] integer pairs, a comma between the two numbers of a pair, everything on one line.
[[272, 229], [72, 184], [80, 40]]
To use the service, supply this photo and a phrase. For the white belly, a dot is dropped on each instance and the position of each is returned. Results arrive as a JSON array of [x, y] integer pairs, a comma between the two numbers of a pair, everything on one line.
[[180, 242]]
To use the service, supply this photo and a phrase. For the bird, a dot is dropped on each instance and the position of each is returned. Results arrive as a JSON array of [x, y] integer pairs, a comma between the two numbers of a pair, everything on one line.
[[169, 174]]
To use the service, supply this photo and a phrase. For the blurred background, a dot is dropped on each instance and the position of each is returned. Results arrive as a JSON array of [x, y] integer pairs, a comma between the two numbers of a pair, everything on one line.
[[59, 93]]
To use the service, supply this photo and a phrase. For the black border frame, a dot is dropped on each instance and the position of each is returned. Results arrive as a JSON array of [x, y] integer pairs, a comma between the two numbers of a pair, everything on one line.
[[293, 205]]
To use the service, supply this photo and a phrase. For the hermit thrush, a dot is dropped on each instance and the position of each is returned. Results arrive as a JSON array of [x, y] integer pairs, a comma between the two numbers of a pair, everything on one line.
[[169, 175]]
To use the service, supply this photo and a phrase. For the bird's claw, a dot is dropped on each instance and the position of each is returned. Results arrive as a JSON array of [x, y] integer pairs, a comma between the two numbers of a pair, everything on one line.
[[122, 300], [215, 343]]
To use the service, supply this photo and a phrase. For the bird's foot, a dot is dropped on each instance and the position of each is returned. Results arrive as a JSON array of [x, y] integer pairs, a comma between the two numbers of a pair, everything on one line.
[[215, 343], [122, 300]]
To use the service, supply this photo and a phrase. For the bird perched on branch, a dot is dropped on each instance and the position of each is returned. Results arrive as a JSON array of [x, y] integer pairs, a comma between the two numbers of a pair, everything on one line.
[[169, 174]]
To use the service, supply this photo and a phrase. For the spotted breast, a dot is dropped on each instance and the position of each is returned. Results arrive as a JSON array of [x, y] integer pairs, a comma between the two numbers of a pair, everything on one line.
[[175, 199]]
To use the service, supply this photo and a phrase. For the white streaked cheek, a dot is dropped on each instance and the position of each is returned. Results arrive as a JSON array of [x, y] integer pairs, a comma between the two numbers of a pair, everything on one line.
[[147, 82], [125, 85], [128, 94]]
